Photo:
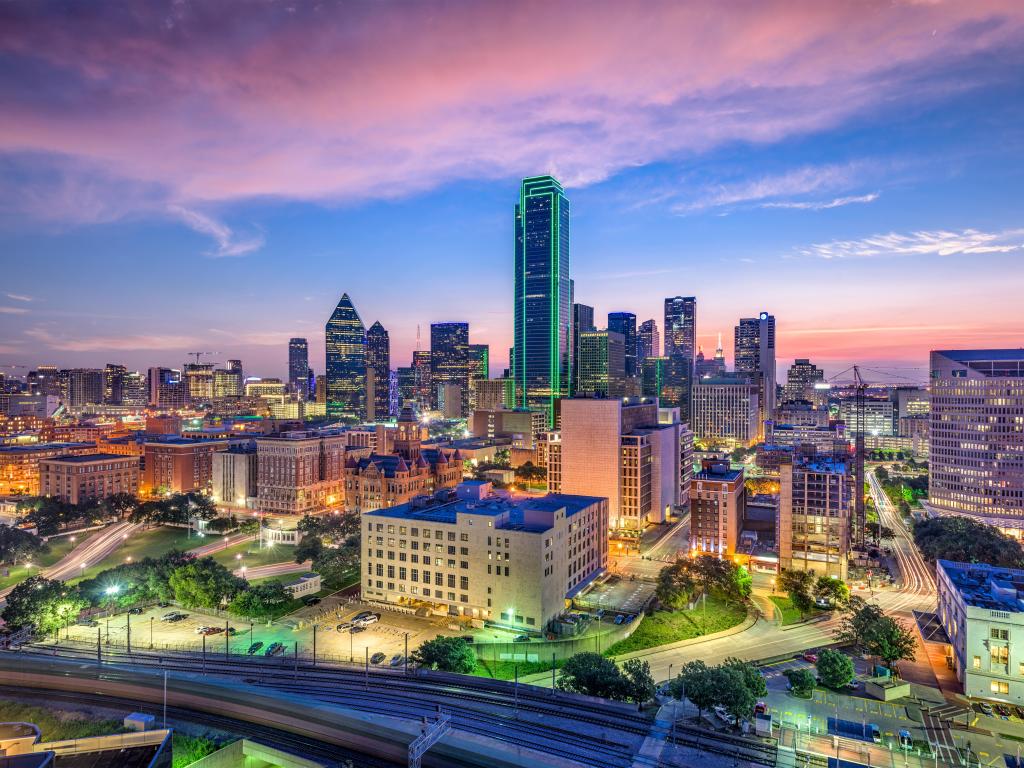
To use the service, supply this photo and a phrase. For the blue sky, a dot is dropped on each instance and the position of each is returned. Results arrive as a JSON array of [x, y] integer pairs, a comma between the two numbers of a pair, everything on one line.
[[874, 209]]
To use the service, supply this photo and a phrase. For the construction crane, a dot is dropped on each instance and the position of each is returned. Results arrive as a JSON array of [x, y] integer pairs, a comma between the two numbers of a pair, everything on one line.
[[197, 355]]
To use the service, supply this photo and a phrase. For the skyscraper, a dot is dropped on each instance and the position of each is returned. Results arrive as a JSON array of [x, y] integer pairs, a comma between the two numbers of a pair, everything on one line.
[[543, 335], [378, 371], [602, 364], [449, 362], [755, 356], [113, 383], [346, 362], [298, 366], [648, 341], [479, 368], [582, 320], [424, 385], [85, 387], [681, 326], [800, 380], [625, 324]]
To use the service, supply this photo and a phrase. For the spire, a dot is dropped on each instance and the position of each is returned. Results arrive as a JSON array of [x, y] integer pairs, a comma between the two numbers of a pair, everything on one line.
[[718, 351]]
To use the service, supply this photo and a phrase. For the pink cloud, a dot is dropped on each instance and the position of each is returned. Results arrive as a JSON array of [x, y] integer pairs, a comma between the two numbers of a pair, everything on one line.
[[333, 102]]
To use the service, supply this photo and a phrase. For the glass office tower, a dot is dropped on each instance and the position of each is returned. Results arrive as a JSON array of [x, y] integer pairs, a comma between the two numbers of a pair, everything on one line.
[[378, 360], [543, 351], [346, 363], [449, 361], [625, 323], [681, 326], [298, 366]]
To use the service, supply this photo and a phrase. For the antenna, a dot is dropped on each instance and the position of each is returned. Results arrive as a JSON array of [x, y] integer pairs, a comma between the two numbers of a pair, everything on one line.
[[417, 337]]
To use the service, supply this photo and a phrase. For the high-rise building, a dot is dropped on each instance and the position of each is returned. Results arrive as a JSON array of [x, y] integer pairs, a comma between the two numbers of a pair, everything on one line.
[[718, 500], [725, 411], [113, 383], [346, 363], [488, 394], [625, 324], [681, 326], [300, 472], [648, 341], [166, 388], [601, 364], [298, 366], [44, 380], [85, 387], [133, 390], [199, 382], [755, 356], [800, 380], [479, 368], [879, 417], [78, 479], [582, 320], [677, 386], [179, 465], [234, 475], [814, 514], [652, 376], [977, 436], [378, 372], [227, 383], [449, 363], [543, 335], [406, 383], [424, 382]]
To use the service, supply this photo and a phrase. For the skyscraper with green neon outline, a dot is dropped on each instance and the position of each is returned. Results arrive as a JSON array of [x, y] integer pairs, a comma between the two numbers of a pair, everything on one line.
[[543, 354]]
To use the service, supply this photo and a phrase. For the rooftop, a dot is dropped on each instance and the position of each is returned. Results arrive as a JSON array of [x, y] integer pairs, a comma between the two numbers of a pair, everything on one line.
[[32, 447], [88, 458], [981, 585]]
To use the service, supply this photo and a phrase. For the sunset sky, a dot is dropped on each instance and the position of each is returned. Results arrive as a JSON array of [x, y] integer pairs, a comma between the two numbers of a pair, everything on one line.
[[214, 175]]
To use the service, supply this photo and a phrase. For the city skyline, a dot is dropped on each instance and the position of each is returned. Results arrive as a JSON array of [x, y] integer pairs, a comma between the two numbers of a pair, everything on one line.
[[866, 198]]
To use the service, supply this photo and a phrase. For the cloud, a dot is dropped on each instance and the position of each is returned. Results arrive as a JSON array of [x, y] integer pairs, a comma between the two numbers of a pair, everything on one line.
[[19, 297], [923, 243], [13, 311], [798, 181], [204, 102], [228, 244], [119, 342], [821, 205]]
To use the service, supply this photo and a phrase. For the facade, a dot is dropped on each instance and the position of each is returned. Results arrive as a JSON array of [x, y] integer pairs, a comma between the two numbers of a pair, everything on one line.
[[977, 436], [879, 417], [800, 380], [19, 464], [755, 356], [648, 341], [912, 402], [298, 366], [167, 389], [521, 425], [346, 363], [378, 372], [113, 383], [449, 365], [718, 499], [77, 479], [681, 326], [199, 382], [542, 364], [625, 324], [514, 562], [582, 320], [179, 464], [801, 413], [424, 382], [635, 454], [981, 609], [235, 475], [815, 503], [300, 472], [488, 394], [601, 364], [479, 361], [726, 411], [84, 387]]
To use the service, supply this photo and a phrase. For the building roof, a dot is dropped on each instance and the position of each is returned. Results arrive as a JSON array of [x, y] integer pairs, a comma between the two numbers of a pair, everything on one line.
[[981, 585], [974, 355], [728, 475], [32, 447], [88, 458]]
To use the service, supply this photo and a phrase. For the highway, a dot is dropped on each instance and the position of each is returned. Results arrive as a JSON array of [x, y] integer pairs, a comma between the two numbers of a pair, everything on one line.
[[223, 542], [274, 569]]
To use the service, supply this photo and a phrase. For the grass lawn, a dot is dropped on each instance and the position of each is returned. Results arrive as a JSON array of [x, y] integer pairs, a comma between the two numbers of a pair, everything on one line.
[[152, 542], [790, 615], [506, 670], [671, 626], [56, 725], [58, 548], [253, 556]]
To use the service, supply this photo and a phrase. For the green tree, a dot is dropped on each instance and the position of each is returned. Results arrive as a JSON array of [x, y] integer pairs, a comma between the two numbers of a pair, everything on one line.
[[204, 583], [308, 548], [964, 540], [695, 682], [638, 683], [675, 585], [449, 654], [335, 566], [835, 669], [592, 674], [261, 601], [18, 544], [882, 474], [752, 677], [865, 626], [797, 584], [834, 590], [731, 689], [43, 603], [120, 505], [801, 681]]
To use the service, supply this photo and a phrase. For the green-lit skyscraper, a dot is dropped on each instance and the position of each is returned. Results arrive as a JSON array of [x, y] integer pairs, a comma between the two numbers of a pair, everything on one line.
[[543, 354], [346, 362]]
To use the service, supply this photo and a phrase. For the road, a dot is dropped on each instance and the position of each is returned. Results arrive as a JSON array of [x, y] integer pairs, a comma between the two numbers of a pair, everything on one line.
[[274, 569], [90, 551], [224, 542]]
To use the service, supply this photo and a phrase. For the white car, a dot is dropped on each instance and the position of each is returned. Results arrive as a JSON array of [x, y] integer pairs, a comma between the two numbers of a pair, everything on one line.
[[365, 621]]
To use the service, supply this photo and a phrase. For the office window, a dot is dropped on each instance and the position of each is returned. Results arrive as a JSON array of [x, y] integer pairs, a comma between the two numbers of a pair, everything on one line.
[[977, 662], [1000, 634], [998, 686], [464, 537]]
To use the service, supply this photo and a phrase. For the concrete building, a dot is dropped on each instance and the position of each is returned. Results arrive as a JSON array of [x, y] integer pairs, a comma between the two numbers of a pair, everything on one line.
[[77, 479], [800, 380], [521, 425], [912, 402], [726, 411], [879, 417], [235, 475], [755, 356], [981, 609], [826, 439], [470, 552], [19, 464], [718, 499], [41, 406], [449, 400], [815, 501], [601, 364], [977, 436], [300, 472], [635, 454], [199, 382], [801, 413], [84, 387], [488, 394], [179, 464]]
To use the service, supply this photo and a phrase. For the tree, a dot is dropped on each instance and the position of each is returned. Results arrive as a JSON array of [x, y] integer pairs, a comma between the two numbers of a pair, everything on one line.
[[337, 565], [835, 669], [260, 602], [752, 677], [308, 548], [797, 584], [865, 626], [204, 583], [675, 585], [449, 654], [43, 603], [882, 474], [639, 684], [801, 681], [963, 540], [695, 682], [18, 544], [120, 505], [834, 590], [592, 674], [732, 692]]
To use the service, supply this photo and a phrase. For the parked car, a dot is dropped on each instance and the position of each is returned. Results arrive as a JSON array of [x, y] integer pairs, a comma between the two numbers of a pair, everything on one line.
[[362, 615], [345, 626], [88, 623], [274, 649], [986, 708], [163, 604], [724, 714], [521, 639], [811, 657], [853, 685], [312, 601], [618, 619], [377, 658], [357, 628], [255, 647], [231, 631], [135, 611], [874, 733], [396, 660], [365, 621], [202, 630], [629, 619], [906, 740], [214, 630], [173, 616], [761, 708], [1003, 710]]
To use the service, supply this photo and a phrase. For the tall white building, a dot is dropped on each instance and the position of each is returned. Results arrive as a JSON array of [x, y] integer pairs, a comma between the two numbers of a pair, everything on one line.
[[726, 411], [976, 436], [815, 499]]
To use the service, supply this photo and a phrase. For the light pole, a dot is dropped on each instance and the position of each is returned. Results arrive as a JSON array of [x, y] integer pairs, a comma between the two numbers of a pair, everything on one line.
[[151, 633]]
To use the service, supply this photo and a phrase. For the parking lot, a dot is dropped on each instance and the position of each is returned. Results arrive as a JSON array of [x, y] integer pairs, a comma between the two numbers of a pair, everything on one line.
[[619, 594]]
